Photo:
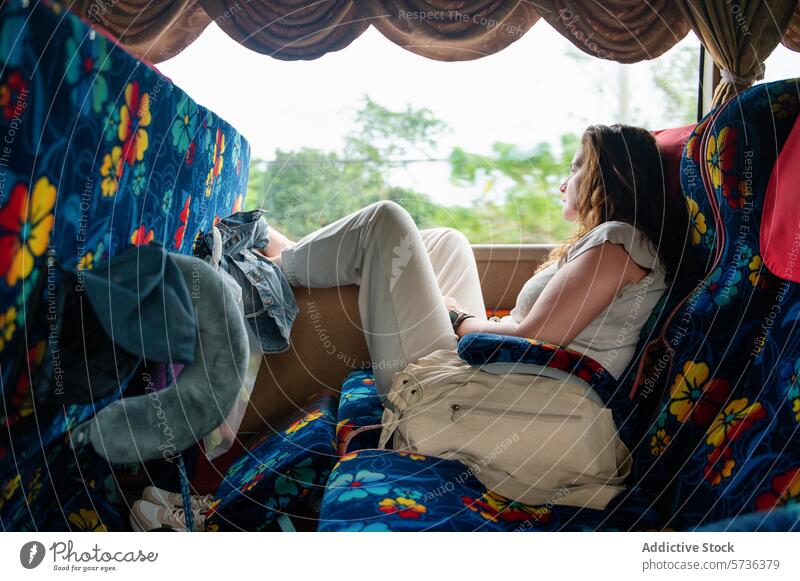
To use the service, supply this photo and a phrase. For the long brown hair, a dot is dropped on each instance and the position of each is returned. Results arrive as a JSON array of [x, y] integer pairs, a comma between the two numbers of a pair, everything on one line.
[[624, 181]]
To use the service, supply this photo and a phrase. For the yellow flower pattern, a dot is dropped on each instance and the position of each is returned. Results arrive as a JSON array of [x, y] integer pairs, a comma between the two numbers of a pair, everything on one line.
[[304, 421], [134, 117], [755, 270], [783, 105], [715, 151], [10, 488], [8, 326], [659, 442], [698, 221], [86, 261], [402, 506], [36, 224], [686, 389], [86, 520], [111, 171], [737, 416]]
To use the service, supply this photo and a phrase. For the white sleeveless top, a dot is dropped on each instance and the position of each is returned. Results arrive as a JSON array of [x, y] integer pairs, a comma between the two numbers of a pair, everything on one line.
[[611, 338]]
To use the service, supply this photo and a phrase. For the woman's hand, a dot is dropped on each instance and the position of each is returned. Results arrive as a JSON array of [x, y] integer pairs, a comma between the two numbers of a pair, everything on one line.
[[451, 303]]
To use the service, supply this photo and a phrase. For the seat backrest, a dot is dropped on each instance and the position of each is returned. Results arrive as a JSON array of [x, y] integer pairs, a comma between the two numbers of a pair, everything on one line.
[[644, 378], [106, 153], [719, 394]]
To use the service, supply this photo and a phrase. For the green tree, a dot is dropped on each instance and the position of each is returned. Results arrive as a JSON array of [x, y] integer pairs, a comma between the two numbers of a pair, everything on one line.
[[529, 207], [306, 189], [675, 77]]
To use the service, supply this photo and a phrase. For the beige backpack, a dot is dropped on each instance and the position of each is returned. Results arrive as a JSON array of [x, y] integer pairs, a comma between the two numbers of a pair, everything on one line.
[[533, 438]]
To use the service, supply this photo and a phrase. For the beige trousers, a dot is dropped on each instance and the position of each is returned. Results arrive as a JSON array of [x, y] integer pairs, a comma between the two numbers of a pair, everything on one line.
[[402, 273]]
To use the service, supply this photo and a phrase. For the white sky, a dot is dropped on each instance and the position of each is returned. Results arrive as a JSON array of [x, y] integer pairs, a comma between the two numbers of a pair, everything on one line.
[[533, 91]]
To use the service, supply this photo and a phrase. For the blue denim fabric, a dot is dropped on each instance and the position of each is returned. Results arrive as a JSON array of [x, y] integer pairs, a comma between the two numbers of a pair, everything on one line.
[[269, 304]]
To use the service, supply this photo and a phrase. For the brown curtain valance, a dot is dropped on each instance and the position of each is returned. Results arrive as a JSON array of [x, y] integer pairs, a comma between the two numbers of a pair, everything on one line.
[[738, 34], [791, 38], [289, 29], [155, 30], [625, 31], [450, 31]]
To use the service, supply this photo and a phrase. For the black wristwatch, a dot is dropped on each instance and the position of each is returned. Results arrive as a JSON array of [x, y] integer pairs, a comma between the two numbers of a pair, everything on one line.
[[458, 317]]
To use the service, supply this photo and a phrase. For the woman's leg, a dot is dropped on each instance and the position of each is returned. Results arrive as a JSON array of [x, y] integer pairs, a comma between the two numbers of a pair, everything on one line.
[[400, 303], [454, 264]]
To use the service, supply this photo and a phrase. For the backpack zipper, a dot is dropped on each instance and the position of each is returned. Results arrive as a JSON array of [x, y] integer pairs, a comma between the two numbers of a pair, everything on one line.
[[459, 410]]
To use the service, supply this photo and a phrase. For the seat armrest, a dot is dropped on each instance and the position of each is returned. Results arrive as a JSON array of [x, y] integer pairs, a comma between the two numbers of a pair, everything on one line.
[[482, 348]]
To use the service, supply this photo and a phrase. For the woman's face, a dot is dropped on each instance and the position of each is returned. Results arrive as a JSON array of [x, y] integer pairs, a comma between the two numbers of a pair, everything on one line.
[[571, 185]]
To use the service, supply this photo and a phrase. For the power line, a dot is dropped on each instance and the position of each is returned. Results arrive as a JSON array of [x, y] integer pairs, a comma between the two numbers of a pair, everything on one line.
[[355, 161]]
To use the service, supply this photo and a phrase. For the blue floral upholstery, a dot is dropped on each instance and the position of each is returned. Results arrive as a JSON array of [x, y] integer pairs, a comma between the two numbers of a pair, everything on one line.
[[360, 412], [59, 489], [785, 518], [107, 153], [725, 439], [104, 153], [283, 473], [384, 490], [379, 490]]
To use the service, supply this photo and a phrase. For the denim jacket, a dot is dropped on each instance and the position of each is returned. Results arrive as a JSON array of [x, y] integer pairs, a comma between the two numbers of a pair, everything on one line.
[[269, 303]]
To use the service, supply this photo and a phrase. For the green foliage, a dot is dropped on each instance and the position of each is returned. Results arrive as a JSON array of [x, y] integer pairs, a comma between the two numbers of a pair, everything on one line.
[[529, 210], [676, 78], [514, 192], [306, 189], [383, 134]]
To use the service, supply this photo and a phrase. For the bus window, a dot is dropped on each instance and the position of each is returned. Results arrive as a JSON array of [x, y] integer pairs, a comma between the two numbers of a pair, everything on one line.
[[479, 145]]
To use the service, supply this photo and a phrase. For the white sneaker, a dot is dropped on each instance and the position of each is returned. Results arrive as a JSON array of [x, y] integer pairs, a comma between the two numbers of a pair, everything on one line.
[[166, 498], [146, 516]]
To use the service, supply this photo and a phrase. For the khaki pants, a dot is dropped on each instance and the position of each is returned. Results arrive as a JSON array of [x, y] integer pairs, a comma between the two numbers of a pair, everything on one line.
[[402, 274]]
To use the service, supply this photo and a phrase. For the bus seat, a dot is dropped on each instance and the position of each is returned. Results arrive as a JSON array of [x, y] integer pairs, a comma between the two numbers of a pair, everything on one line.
[[732, 414], [724, 440], [716, 385], [283, 472], [671, 143], [87, 214]]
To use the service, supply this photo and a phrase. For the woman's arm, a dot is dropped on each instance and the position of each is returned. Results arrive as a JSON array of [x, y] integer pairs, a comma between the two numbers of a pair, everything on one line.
[[578, 292]]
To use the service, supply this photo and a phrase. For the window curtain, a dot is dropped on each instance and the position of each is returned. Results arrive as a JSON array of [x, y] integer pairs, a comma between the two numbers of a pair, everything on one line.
[[739, 36], [153, 30], [626, 31], [451, 31], [289, 29], [791, 38]]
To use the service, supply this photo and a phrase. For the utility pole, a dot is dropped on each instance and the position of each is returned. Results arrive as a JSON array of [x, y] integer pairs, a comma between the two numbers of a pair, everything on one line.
[[624, 95]]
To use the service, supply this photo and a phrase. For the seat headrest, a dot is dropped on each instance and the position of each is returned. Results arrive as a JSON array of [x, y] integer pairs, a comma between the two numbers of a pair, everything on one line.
[[670, 144], [780, 222]]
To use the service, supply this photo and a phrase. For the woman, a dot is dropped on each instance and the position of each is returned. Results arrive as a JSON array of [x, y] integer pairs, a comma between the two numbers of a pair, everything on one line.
[[420, 290]]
